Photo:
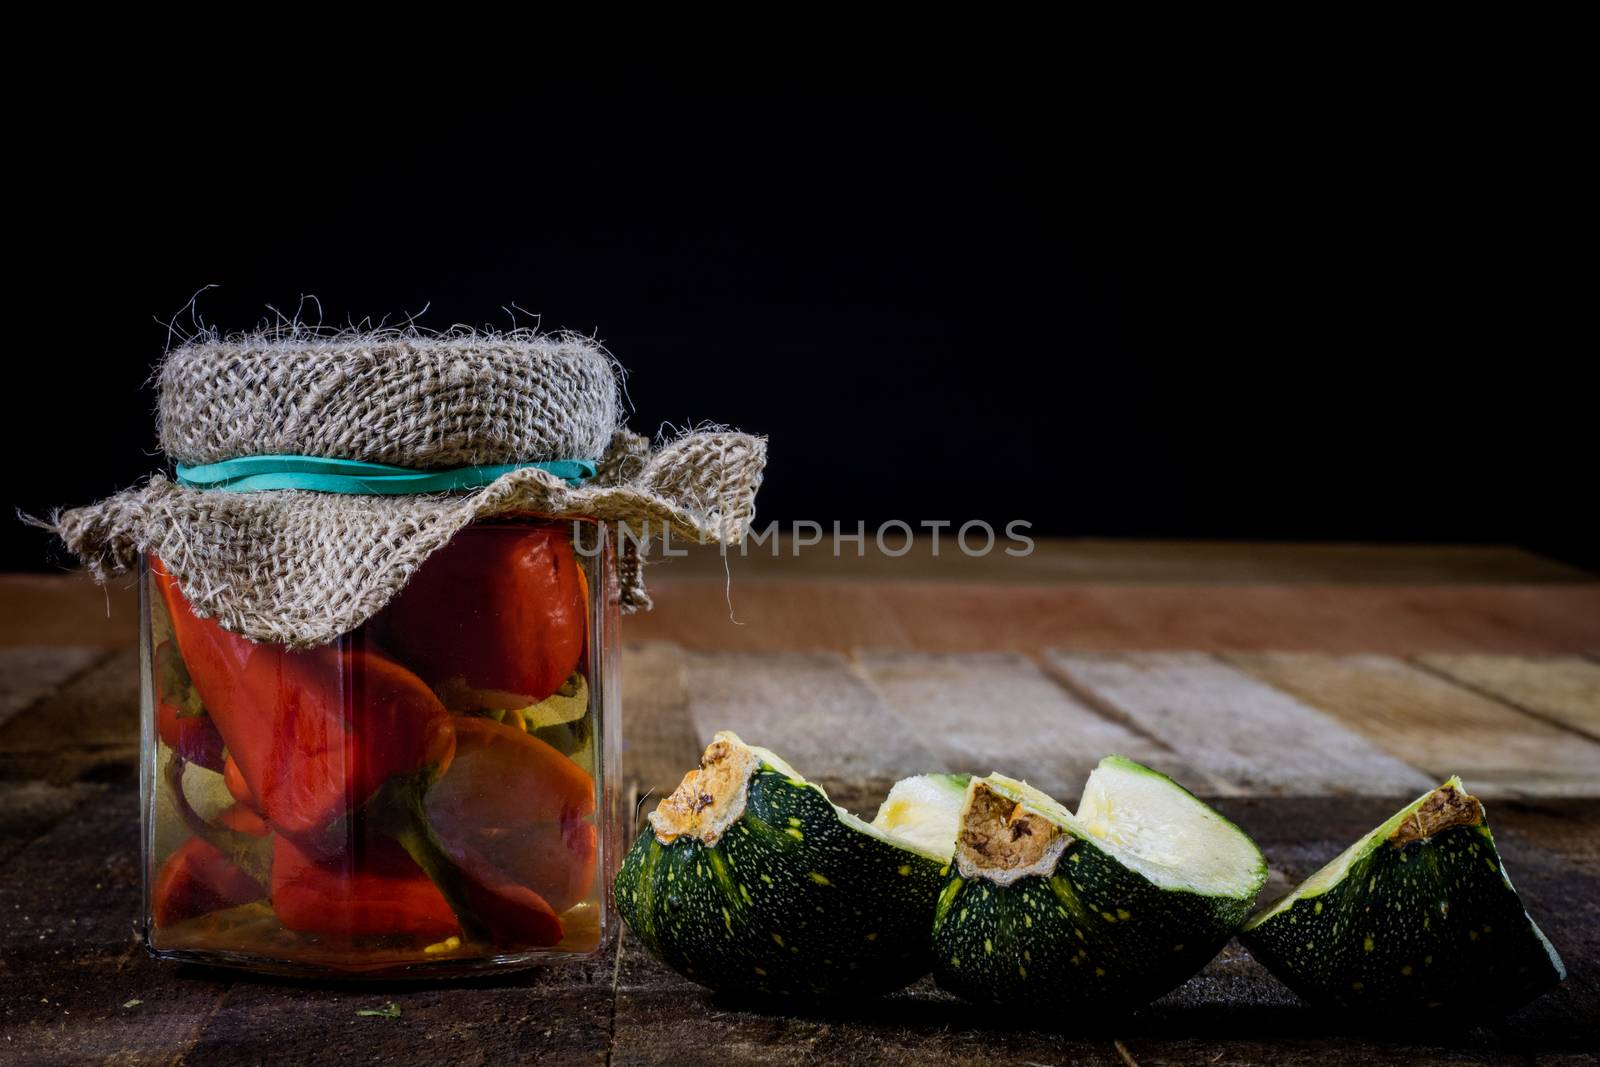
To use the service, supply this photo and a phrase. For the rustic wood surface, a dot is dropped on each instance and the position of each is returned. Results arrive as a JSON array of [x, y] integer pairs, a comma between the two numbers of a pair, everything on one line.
[[1258, 739], [1308, 709], [1437, 724]]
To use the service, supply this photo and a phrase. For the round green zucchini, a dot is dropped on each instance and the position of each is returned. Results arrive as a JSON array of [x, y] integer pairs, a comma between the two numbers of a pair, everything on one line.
[[1103, 910], [1417, 918], [749, 879]]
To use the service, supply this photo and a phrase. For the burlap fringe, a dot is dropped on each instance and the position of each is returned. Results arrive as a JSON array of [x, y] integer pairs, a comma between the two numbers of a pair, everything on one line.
[[300, 569]]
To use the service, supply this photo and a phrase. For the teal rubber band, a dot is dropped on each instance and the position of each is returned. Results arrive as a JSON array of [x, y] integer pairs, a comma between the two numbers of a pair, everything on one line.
[[323, 475]]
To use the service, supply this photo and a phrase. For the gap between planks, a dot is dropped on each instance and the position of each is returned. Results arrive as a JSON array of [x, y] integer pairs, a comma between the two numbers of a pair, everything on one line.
[[87, 723], [30, 673], [1562, 690], [1434, 722], [1237, 728]]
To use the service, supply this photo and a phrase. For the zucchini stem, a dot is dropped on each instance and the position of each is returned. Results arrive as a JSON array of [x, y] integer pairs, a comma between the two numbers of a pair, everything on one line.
[[398, 810]]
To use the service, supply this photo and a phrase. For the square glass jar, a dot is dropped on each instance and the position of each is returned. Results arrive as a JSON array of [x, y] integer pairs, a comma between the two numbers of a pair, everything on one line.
[[433, 793]]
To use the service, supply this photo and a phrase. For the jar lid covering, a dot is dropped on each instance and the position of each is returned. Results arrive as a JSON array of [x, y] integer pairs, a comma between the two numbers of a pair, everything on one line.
[[403, 398], [300, 568]]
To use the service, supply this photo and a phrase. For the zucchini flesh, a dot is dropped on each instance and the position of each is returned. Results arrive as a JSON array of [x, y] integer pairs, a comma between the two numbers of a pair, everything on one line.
[[1417, 918], [1105, 909], [749, 879], [925, 812]]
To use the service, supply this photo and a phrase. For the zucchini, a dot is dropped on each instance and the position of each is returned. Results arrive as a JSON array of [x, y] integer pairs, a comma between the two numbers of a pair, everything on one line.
[[748, 878], [1106, 909], [1418, 917]]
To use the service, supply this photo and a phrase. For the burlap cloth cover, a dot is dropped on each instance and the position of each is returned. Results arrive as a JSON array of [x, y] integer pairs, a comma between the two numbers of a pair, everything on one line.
[[300, 568]]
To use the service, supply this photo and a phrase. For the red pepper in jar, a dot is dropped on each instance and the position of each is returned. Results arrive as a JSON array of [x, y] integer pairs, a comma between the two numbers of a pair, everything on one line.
[[404, 884], [513, 803], [314, 734], [376, 889], [238, 788], [492, 906], [181, 719], [514, 915], [198, 878], [495, 619]]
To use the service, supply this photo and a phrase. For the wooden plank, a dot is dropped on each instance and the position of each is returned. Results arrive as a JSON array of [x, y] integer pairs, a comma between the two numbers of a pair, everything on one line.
[[659, 739], [70, 955], [979, 712], [29, 810], [1238, 729], [813, 710], [1133, 562], [30, 672], [1435, 724], [956, 617], [559, 1014], [1562, 688], [91, 722]]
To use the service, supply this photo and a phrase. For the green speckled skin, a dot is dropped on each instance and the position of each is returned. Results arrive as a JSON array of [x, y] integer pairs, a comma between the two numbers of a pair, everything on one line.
[[790, 902], [1428, 927], [1093, 936]]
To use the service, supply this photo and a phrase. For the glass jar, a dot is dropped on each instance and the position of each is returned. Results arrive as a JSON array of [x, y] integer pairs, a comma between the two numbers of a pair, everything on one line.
[[432, 793]]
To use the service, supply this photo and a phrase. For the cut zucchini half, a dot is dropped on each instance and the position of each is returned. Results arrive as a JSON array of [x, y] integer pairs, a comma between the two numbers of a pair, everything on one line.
[[1416, 918], [749, 879], [1106, 909]]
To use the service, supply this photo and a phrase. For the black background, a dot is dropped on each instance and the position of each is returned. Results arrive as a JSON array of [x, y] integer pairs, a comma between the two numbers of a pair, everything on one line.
[[1343, 306]]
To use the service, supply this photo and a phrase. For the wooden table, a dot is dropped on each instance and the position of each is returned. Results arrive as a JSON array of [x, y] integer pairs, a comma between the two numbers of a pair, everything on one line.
[[1309, 690]]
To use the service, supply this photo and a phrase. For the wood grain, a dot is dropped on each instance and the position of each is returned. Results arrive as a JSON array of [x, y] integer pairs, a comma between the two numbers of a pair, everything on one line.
[[994, 711], [1236, 728], [546, 1014], [29, 672], [90, 722], [1437, 725], [1563, 688], [29, 810]]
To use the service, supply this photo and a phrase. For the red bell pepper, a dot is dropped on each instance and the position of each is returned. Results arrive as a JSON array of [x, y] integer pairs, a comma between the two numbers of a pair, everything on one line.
[[495, 619], [375, 889], [242, 820], [238, 788], [514, 915], [181, 719], [512, 802], [197, 878], [314, 733]]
